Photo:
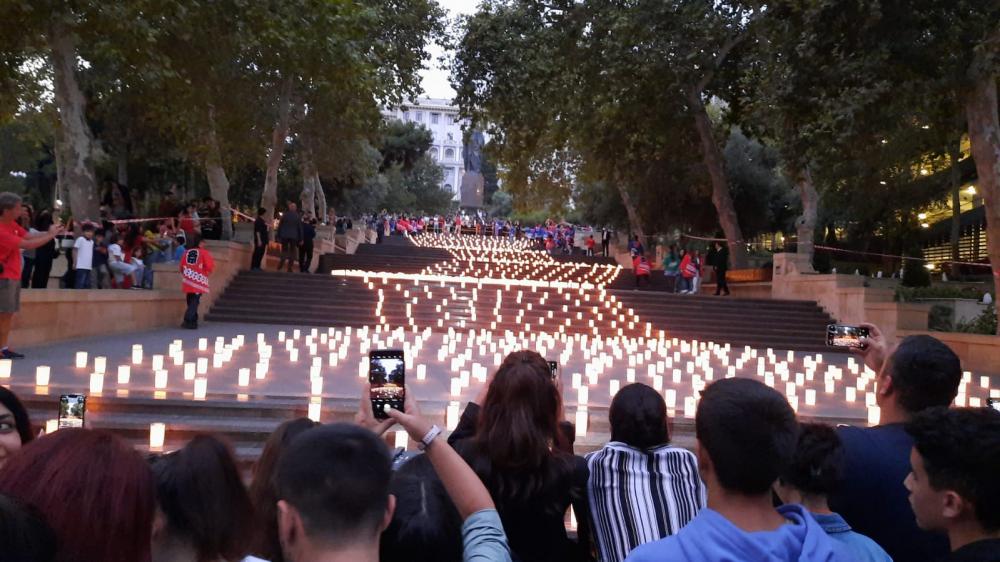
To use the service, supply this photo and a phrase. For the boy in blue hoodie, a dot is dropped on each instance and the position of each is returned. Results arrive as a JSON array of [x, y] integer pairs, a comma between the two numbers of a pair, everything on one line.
[[746, 434]]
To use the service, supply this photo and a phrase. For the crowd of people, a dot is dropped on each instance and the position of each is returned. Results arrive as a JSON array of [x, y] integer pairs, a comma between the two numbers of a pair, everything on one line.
[[760, 485]]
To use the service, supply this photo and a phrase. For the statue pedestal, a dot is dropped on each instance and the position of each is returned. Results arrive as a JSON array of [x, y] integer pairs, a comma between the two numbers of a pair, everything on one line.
[[471, 192], [791, 263]]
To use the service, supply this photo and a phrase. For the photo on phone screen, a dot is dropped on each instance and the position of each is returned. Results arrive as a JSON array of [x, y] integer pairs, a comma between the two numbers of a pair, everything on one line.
[[993, 403], [839, 335], [72, 410], [387, 375], [553, 370]]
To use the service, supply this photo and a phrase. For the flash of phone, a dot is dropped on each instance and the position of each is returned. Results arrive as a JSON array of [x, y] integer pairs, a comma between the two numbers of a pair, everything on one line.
[[72, 410], [387, 376], [993, 403], [840, 335]]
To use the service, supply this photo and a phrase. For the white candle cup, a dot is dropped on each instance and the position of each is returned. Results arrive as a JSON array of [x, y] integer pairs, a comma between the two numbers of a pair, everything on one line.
[[202, 365], [124, 374], [5, 366], [136, 354], [315, 409], [96, 383], [157, 362], [42, 373], [81, 359], [100, 364], [244, 377], [157, 434], [401, 439], [421, 372], [51, 426], [160, 380], [317, 386], [200, 388], [202, 344], [190, 369], [260, 371]]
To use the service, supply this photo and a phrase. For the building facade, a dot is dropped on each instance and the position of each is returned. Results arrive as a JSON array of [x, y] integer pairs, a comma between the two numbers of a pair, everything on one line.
[[444, 123]]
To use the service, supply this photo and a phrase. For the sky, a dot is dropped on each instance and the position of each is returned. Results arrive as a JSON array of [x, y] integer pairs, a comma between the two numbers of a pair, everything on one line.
[[435, 80]]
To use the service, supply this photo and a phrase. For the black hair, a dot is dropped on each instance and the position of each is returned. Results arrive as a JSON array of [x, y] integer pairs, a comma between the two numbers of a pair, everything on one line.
[[749, 432], [426, 526], [638, 417], [24, 534], [20, 413], [960, 448], [193, 240], [199, 489], [89, 228], [337, 477], [815, 466], [261, 211], [925, 373]]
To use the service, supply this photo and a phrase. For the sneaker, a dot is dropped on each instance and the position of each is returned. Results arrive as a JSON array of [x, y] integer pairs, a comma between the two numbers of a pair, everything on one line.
[[8, 354]]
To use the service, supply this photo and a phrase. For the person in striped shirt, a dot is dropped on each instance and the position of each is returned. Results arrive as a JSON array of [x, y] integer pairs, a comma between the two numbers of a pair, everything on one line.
[[641, 488]]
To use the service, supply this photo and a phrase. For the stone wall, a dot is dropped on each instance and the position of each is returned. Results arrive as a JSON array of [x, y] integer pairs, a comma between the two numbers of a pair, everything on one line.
[[49, 315]]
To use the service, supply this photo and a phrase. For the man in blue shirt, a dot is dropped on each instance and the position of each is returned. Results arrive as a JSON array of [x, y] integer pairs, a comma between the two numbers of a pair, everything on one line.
[[920, 373], [746, 434]]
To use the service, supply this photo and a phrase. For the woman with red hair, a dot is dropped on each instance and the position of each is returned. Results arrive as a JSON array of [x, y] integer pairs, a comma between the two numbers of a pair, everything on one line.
[[93, 490]]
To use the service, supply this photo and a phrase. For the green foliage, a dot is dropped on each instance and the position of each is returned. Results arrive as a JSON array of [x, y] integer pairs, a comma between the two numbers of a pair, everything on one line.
[[939, 318], [911, 294], [914, 272], [763, 196], [404, 144], [985, 323]]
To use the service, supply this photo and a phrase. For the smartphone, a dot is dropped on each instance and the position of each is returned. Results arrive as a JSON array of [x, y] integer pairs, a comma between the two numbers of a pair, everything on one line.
[[387, 375], [993, 403], [553, 370], [72, 410], [839, 335]]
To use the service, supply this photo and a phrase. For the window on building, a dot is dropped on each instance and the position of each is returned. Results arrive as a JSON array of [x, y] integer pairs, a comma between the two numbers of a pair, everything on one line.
[[449, 154], [420, 117], [434, 153], [449, 119], [435, 117], [406, 116]]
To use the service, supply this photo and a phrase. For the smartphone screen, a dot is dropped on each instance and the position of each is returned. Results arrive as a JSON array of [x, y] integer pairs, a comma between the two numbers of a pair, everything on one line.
[[839, 335], [387, 375], [993, 403], [553, 370], [72, 410]]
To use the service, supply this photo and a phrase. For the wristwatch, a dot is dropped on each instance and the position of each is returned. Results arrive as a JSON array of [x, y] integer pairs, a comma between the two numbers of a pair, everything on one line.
[[432, 434]]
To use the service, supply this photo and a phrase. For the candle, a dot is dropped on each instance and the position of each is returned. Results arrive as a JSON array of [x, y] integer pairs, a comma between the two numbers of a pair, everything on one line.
[[96, 383], [244, 377], [157, 362], [5, 365], [51, 426], [421, 372], [100, 365], [157, 433], [124, 373], [293, 355], [200, 388], [614, 386], [260, 371], [202, 344], [202, 365], [42, 373], [189, 371], [137, 354], [456, 387], [401, 439], [160, 379], [314, 410], [317, 386], [81, 359], [874, 415], [581, 421], [810, 397], [451, 415]]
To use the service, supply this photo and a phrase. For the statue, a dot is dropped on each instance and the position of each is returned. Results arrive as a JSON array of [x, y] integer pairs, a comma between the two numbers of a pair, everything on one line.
[[471, 191]]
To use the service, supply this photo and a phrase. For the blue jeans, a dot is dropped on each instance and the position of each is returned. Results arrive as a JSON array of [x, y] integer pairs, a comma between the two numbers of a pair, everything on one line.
[[83, 279]]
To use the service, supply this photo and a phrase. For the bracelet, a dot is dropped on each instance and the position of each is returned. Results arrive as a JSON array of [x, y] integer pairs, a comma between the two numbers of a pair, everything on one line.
[[432, 434]]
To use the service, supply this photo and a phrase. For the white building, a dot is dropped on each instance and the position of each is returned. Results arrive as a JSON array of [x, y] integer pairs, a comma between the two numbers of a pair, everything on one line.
[[441, 117]]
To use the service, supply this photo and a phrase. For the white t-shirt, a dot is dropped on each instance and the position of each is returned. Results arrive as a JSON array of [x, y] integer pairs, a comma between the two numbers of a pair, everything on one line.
[[84, 253], [115, 251]]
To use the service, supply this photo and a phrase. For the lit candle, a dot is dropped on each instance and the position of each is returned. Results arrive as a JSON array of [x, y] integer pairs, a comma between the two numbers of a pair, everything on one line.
[[157, 362], [200, 388], [81, 359], [137, 354], [124, 373], [202, 365], [96, 383], [260, 371], [157, 433], [451, 415], [317, 386], [315, 407], [614, 386], [244, 377], [100, 364], [401, 439], [874, 415], [42, 373], [51, 426], [202, 344], [581, 421], [421, 372], [810, 397], [160, 379], [5, 365]]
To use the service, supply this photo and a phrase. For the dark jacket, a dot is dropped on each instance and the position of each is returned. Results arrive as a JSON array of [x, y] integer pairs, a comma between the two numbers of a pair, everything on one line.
[[260, 232], [290, 226], [721, 259], [980, 551]]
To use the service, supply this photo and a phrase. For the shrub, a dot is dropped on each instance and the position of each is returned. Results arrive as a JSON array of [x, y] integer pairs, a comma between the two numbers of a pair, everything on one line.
[[985, 323], [914, 272], [909, 294]]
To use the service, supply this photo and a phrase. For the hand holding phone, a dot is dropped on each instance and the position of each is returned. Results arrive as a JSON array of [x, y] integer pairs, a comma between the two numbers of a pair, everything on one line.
[[72, 410], [387, 377], [851, 337]]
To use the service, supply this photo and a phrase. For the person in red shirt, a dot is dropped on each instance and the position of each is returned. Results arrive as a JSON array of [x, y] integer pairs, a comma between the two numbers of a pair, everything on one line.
[[196, 266], [590, 245], [13, 239]]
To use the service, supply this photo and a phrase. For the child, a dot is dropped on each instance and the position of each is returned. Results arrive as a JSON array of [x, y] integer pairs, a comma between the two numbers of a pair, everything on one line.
[[145, 273], [590, 245], [84, 247], [100, 271], [196, 266]]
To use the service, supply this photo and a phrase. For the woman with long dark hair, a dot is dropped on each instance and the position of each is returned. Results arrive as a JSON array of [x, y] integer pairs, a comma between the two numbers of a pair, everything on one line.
[[44, 254], [15, 426], [518, 450]]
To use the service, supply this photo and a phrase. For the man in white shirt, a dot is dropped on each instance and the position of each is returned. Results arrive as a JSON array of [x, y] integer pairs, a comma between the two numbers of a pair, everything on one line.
[[84, 254], [116, 261]]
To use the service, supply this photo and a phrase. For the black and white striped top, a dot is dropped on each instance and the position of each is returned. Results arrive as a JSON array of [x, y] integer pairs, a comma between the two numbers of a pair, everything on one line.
[[638, 496]]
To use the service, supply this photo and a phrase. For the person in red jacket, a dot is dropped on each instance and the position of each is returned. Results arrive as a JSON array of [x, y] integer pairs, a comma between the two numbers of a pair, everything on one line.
[[196, 265], [689, 270]]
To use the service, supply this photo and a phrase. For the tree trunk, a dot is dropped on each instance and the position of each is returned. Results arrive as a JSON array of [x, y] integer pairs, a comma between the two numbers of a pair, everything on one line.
[[805, 225], [74, 138], [320, 200], [122, 163], [634, 222], [218, 183], [269, 200], [984, 134], [716, 166], [956, 211], [308, 198]]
